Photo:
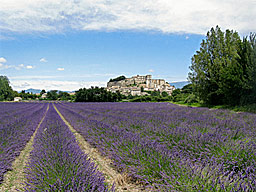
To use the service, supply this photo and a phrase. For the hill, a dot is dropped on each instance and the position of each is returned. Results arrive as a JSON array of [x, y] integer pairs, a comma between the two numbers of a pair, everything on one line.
[[179, 84], [34, 91]]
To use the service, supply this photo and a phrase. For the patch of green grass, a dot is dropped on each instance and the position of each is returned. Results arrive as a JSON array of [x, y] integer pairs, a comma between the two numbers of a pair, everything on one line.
[[244, 108]]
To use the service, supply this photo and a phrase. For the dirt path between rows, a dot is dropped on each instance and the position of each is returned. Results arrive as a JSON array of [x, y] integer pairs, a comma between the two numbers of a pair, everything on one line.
[[14, 179], [104, 164]]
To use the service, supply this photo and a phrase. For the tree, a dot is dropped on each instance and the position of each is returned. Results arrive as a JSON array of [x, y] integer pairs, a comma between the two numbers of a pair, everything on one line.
[[187, 89], [42, 92], [176, 92], [52, 95], [64, 96], [165, 94], [216, 74], [6, 92], [248, 59], [155, 93], [96, 94], [122, 77]]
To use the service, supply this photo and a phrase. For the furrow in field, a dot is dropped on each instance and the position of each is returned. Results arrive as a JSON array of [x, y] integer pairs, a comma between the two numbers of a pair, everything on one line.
[[14, 179], [104, 164], [57, 163]]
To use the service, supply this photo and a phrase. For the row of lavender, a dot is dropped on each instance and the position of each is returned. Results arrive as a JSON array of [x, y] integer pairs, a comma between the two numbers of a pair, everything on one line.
[[16, 129], [57, 163], [169, 147]]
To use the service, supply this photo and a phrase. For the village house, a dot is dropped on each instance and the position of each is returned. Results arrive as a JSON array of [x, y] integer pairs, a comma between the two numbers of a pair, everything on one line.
[[17, 99]]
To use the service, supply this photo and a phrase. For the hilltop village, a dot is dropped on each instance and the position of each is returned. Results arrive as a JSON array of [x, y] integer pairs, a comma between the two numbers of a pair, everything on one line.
[[139, 85]]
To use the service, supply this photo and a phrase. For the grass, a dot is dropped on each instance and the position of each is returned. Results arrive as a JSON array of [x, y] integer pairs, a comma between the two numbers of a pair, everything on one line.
[[244, 108]]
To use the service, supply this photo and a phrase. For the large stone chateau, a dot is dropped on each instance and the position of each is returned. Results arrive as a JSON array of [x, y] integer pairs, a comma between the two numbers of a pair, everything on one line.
[[134, 85]]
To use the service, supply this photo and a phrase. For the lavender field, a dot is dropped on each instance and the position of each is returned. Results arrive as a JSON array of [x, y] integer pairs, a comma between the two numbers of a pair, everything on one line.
[[57, 162], [18, 122], [171, 148], [161, 146]]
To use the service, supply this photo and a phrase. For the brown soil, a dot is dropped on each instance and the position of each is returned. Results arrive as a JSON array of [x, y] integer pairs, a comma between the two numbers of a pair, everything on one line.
[[121, 181], [14, 179]]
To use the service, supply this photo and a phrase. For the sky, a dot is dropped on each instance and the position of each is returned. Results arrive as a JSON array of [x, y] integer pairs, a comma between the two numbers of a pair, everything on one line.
[[71, 44]]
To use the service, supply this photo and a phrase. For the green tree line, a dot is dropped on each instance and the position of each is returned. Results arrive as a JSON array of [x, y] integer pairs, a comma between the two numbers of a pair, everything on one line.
[[96, 94]]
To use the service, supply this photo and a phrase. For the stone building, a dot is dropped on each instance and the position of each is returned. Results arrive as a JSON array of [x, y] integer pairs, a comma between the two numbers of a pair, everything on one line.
[[133, 85]]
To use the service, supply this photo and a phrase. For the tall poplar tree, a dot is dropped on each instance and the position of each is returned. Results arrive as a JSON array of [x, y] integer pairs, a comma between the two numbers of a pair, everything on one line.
[[215, 71], [248, 61]]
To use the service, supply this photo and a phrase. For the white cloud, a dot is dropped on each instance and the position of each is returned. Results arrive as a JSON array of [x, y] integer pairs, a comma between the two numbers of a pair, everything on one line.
[[3, 60], [30, 77], [29, 67], [22, 66], [167, 16], [19, 85], [60, 69], [43, 60], [151, 70], [2, 66], [187, 37], [72, 76]]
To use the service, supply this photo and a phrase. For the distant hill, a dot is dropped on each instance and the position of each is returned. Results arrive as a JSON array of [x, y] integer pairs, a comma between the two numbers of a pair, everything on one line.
[[34, 91], [179, 84]]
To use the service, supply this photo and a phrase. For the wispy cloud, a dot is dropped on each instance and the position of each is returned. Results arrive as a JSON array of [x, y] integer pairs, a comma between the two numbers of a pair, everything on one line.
[[22, 66], [44, 77], [60, 69], [19, 85], [167, 16], [43, 60], [2, 65], [151, 70], [33, 77]]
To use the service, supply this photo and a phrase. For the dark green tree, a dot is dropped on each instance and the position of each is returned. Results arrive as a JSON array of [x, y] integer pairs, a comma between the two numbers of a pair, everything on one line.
[[216, 73], [52, 95], [96, 94], [176, 92], [64, 96], [155, 93], [248, 61], [187, 88], [122, 77], [42, 92], [6, 92], [164, 94]]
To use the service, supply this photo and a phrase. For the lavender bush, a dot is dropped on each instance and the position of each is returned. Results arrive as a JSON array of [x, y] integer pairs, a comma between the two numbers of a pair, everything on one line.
[[16, 128], [57, 163], [168, 147]]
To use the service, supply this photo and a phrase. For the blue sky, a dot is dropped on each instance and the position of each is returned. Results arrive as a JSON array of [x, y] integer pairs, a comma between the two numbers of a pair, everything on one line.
[[67, 45]]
